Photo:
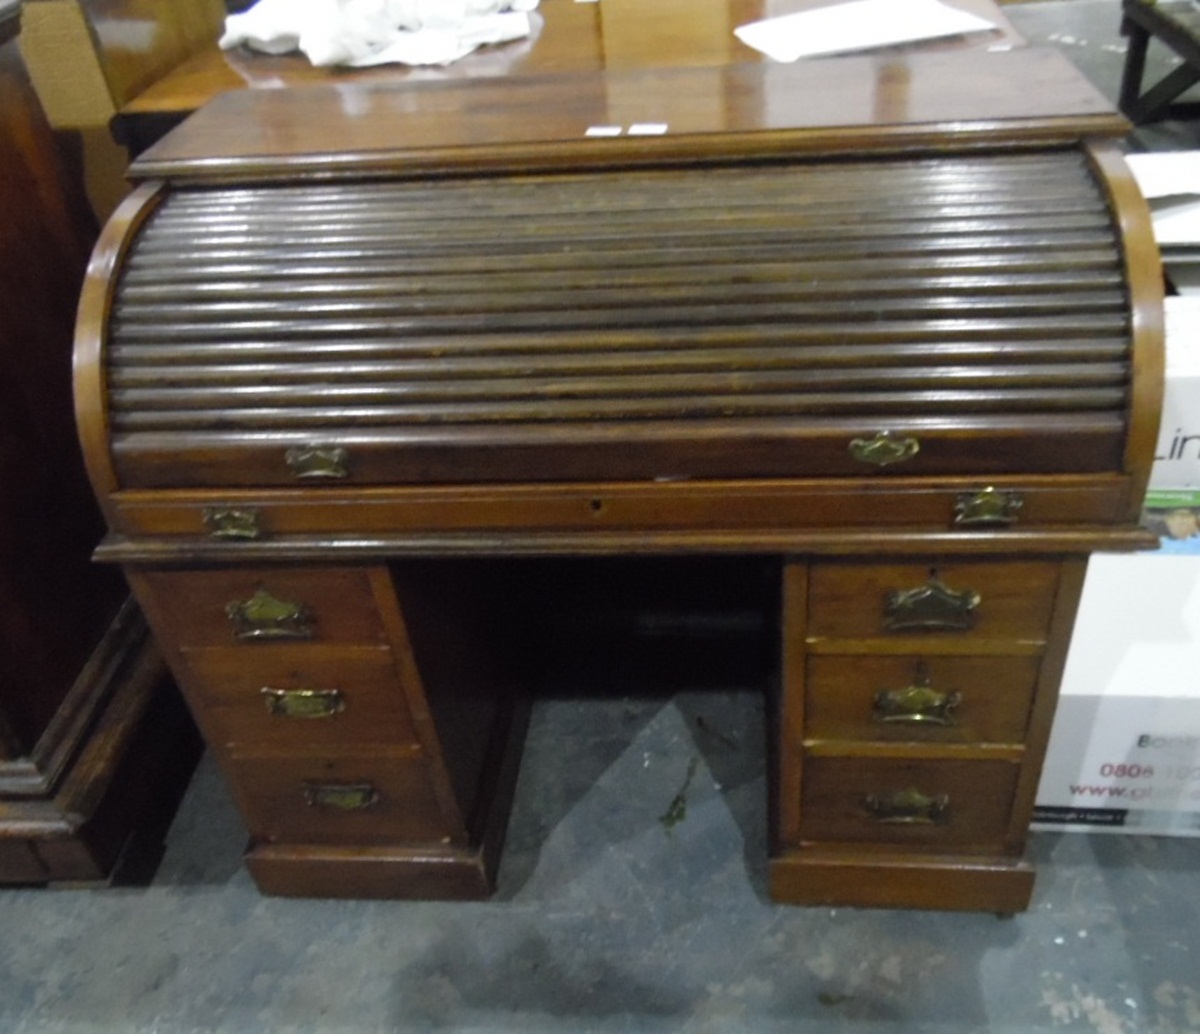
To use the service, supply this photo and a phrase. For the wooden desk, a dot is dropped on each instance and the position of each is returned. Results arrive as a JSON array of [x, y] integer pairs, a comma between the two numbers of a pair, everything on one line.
[[373, 382]]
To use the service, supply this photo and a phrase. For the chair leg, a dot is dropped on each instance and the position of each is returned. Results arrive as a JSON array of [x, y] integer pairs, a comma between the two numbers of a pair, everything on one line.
[[1135, 67]]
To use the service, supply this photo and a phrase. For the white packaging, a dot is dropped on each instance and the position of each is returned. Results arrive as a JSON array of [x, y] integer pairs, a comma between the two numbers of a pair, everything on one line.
[[1124, 753]]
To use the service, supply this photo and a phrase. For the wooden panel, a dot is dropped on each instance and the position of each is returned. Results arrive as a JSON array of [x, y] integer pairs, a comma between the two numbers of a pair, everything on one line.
[[809, 877], [995, 695], [975, 819], [274, 794], [359, 871], [188, 608], [1016, 598], [19, 862], [1068, 500], [854, 103], [371, 708]]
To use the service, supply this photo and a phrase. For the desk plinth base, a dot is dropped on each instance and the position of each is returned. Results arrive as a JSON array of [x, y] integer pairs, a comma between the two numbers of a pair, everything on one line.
[[317, 871], [968, 884]]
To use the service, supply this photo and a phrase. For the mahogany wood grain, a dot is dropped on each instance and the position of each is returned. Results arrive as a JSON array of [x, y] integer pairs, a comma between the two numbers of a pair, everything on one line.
[[793, 696], [995, 697], [190, 606], [94, 306], [365, 871], [1032, 95], [847, 600], [975, 821], [1143, 266], [894, 502], [903, 542], [272, 793], [228, 687], [948, 882], [1041, 718]]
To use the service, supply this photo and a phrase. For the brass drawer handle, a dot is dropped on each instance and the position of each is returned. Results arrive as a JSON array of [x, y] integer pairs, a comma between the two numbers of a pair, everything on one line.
[[264, 616], [341, 796], [228, 523], [916, 704], [883, 449], [932, 607], [303, 703], [317, 462], [907, 807], [987, 507]]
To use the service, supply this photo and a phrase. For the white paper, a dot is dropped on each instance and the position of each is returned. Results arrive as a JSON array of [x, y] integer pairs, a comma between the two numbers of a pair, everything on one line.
[[1166, 173], [1176, 221], [858, 25], [372, 32]]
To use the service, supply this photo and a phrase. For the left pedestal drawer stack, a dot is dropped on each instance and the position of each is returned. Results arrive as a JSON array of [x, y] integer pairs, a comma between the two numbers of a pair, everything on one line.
[[305, 682]]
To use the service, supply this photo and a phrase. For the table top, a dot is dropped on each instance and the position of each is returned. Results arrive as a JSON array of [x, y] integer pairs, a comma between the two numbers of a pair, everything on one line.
[[572, 36], [644, 117]]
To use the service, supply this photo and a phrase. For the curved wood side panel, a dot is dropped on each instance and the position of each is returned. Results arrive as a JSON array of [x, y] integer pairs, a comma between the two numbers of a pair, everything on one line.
[[1143, 270], [95, 301]]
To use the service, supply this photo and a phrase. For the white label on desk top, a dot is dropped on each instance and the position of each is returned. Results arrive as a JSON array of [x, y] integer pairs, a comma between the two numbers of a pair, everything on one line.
[[602, 131], [648, 129]]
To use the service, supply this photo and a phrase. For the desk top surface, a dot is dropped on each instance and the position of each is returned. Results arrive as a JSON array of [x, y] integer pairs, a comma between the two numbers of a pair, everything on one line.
[[571, 36], [638, 117]]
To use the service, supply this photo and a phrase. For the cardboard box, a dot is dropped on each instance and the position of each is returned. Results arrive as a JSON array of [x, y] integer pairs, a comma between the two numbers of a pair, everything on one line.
[[1124, 753], [1177, 458]]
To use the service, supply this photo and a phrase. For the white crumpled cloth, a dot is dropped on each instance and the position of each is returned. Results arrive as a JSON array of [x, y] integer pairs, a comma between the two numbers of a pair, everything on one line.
[[375, 32]]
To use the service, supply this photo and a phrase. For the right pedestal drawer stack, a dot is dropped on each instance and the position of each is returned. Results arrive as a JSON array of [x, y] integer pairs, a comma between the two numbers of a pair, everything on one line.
[[917, 695]]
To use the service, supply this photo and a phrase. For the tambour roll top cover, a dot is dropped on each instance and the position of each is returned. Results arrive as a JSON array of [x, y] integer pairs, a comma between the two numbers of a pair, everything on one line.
[[902, 305], [458, 284]]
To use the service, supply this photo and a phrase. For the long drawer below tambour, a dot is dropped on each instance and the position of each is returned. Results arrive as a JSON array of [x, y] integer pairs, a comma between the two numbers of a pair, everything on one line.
[[963, 504]]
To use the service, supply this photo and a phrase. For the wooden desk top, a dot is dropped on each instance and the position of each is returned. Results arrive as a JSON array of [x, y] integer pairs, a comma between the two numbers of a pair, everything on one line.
[[615, 35], [954, 99]]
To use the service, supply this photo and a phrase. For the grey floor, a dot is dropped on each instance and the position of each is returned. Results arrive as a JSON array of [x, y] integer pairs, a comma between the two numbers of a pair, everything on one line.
[[610, 915]]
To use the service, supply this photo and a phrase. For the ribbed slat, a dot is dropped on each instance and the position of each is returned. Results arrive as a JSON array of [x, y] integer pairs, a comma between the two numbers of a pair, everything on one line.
[[926, 288]]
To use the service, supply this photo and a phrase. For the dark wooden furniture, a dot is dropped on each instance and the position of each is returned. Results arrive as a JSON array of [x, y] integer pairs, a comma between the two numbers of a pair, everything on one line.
[[92, 736], [358, 366], [1176, 25]]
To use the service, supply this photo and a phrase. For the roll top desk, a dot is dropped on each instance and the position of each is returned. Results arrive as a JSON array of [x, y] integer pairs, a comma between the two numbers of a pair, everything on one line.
[[353, 361]]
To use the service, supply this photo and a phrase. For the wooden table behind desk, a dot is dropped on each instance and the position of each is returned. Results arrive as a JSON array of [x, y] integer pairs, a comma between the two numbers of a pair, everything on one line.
[[573, 37]]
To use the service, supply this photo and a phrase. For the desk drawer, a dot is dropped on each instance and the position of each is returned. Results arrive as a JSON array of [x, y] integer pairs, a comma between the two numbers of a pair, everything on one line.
[[963, 805], [300, 698], [998, 600], [932, 699], [340, 799], [257, 607]]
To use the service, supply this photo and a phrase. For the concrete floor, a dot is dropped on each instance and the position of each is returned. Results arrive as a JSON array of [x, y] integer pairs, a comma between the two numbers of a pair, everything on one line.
[[608, 919]]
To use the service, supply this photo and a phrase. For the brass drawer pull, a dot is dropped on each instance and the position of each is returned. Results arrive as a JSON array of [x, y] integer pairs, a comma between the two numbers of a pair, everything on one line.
[[987, 507], [916, 704], [304, 703], [341, 796], [883, 449], [907, 808], [317, 462], [263, 616], [226, 523], [932, 607]]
